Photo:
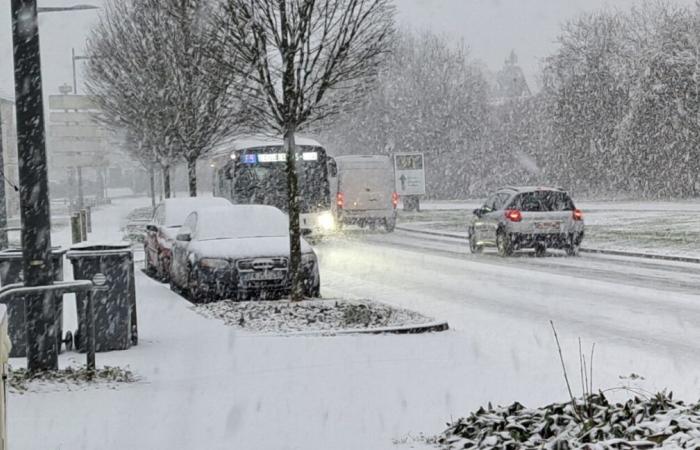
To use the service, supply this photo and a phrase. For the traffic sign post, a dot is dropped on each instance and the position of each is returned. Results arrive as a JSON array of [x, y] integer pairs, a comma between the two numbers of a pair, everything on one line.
[[409, 170]]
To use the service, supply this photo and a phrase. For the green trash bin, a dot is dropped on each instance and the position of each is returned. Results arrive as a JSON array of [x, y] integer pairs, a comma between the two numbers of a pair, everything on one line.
[[10, 273], [114, 302]]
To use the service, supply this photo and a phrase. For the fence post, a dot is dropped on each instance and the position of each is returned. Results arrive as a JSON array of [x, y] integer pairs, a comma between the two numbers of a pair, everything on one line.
[[76, 232], [89, 219], [83, 224]]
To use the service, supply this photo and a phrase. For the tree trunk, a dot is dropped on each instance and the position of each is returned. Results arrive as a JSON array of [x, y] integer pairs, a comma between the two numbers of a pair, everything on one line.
[[152, 183], [297, 293], [192, 176], [166, 181]]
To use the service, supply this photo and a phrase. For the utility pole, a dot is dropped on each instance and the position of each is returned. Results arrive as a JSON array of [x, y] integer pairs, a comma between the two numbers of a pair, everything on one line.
[[42, 346]]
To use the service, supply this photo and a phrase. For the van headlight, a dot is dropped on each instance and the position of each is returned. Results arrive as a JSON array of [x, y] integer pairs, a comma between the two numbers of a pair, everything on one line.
[[326, 221]]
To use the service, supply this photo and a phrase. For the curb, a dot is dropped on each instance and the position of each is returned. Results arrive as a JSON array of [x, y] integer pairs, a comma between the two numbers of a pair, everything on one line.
[[430, 327], [432, 233], [598, 251], [685, 259]]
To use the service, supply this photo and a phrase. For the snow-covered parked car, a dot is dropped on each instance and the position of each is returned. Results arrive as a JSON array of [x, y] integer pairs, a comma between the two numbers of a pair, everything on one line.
[[161, 231], [238, 252], [527, 217]]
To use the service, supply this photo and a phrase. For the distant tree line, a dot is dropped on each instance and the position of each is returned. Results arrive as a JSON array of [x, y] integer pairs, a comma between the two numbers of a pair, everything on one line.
[[617, 112]]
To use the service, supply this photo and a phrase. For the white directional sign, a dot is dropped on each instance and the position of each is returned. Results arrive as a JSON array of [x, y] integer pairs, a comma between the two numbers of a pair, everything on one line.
[[410, 173]]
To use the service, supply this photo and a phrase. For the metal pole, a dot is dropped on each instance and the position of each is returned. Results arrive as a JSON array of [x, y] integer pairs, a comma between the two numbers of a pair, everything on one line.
[[42, 345], [3, 202], [75, 80], [81, 198], [90, 325]]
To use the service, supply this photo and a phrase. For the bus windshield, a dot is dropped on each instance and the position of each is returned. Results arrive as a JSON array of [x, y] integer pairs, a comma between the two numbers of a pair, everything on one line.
[[259, 177]]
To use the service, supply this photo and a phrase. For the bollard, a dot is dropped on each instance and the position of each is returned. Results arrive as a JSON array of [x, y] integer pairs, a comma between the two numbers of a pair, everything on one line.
[[89, 219], [83, 224], [76, 232], [90, 325]]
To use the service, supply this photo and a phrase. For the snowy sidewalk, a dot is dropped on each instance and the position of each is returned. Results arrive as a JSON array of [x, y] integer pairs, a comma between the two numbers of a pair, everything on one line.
[[206, 386]]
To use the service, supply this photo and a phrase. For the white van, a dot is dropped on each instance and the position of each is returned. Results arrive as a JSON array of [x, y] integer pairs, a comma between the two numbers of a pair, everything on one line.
[[365, 194]]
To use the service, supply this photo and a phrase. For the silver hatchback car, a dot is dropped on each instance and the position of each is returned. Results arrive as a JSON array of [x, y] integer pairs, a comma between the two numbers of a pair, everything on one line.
[[527, 217]]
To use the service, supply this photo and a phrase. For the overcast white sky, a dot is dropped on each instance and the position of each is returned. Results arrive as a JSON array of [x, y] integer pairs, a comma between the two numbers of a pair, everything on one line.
[[491, 28]]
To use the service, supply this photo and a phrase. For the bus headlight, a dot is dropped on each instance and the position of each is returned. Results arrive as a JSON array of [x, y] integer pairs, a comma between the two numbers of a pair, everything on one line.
[[326, 221]]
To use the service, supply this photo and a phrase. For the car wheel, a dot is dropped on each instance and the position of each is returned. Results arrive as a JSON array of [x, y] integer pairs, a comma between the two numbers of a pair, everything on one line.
[[475, 249], [504, 244], [572, 248], [389, 225], [540, 250]]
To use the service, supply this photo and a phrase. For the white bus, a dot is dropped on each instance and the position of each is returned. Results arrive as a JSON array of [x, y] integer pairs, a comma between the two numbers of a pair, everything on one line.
[[252, 170]]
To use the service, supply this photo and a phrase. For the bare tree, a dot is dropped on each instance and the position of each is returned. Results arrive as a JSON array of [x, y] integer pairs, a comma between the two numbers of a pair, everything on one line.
[[152, 72], [303, 61]]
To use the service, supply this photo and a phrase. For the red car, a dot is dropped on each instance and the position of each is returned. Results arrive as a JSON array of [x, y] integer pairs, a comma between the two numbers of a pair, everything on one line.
[[162, 230]]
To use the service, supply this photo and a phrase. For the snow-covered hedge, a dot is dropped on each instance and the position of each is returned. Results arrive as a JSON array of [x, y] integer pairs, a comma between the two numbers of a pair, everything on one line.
[[595, 424]]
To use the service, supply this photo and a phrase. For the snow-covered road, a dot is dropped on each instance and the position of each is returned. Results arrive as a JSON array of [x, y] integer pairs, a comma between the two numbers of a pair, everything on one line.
[[207, 386]]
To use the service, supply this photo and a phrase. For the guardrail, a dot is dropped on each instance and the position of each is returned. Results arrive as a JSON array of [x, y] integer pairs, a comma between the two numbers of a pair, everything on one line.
[[599, 251], [60, 288]]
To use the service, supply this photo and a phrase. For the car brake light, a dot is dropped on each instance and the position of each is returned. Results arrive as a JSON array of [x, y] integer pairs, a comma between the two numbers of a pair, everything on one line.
[[395, 199], [578, 214], [340, 200], [514, 215]]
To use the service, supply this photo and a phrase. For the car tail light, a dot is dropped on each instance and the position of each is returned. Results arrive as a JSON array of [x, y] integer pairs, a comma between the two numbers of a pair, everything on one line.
[[577, 214], [514, 215], [340, 200], [395, 199]]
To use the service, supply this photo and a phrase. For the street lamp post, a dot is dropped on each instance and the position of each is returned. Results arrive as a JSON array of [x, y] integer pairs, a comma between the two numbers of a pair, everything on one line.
[[42, 345], [42, 350]]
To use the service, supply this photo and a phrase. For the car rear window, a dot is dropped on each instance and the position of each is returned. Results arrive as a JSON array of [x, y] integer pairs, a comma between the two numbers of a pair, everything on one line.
[[543, 201]]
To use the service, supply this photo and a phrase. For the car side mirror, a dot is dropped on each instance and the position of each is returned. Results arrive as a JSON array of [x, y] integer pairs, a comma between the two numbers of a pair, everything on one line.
[[478, 212], [151, 227], [185, 237]]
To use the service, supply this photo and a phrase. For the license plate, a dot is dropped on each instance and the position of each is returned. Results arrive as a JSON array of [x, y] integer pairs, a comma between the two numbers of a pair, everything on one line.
[[548, 225], [266, 275]]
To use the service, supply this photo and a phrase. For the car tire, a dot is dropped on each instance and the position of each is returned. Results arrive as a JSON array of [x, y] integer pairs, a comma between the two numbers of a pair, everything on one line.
[[503, 244], [194, 289], [473, 248], [540, 250], [390, 225], [572, 249]]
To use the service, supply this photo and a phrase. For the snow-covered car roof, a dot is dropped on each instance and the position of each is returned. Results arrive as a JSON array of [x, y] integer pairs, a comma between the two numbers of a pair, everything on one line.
[[532, 188], [177, 209], [241, 221]]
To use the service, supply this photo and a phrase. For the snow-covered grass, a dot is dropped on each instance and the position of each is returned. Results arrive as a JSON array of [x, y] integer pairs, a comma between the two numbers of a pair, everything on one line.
[[70, 378], [309, 315], [592, 423]]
